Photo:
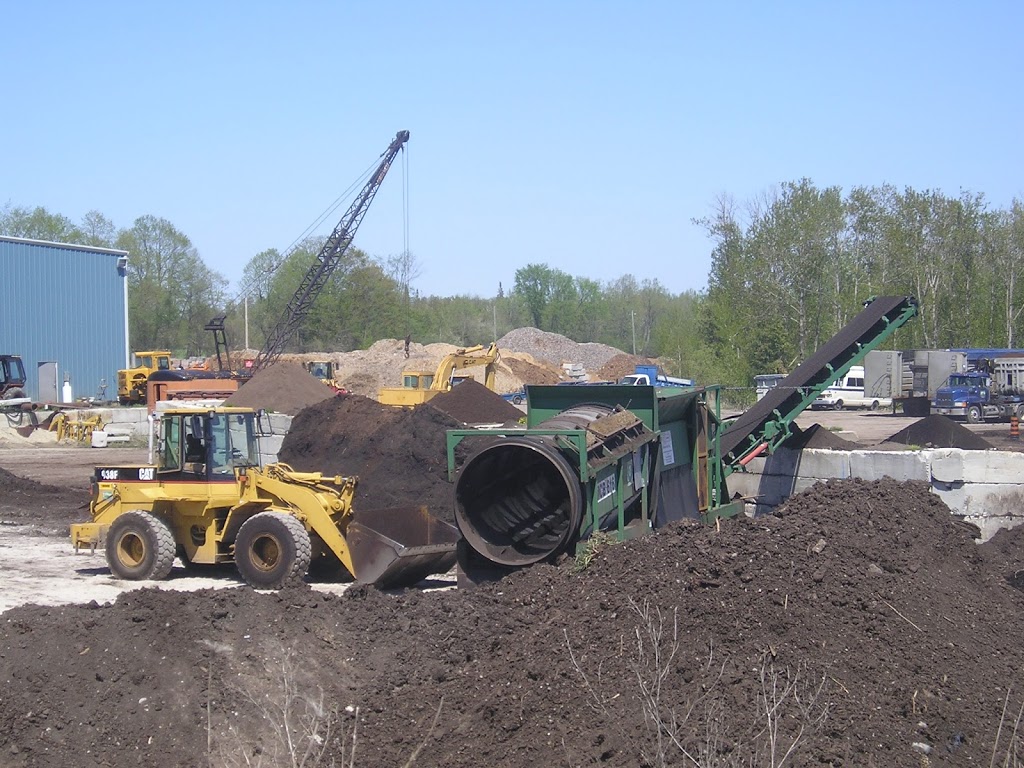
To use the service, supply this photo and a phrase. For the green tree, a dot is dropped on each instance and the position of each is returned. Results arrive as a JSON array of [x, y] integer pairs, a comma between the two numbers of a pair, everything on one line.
[[38, 224], [171, 292]]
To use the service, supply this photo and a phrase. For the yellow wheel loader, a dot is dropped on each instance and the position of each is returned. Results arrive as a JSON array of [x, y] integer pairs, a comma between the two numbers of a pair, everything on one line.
[[204, 497]]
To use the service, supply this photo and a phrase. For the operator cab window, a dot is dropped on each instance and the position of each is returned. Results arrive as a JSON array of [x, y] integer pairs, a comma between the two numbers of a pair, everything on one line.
[[195, 446], [170, 456], [234, 443]]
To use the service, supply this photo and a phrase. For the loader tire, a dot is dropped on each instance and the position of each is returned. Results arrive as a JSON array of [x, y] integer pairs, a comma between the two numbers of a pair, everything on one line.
[[14, 394], [140, 546], [271, 550]]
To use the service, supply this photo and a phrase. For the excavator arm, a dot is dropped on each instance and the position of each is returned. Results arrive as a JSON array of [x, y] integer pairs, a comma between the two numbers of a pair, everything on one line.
[[466, 358]]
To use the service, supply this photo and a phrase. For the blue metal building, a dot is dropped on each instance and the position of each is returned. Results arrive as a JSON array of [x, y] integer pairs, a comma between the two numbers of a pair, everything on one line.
[[64, 309]]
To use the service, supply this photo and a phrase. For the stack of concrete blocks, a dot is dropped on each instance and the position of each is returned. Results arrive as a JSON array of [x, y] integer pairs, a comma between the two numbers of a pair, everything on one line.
[[574, 371], [985, 488], [278, 425]]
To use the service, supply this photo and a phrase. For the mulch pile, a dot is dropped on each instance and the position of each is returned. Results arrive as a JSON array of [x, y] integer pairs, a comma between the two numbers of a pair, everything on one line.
[[45, 509], [472, 403], [398, 454], [816, 436], [861, 616], [937, 431], [284, 387]]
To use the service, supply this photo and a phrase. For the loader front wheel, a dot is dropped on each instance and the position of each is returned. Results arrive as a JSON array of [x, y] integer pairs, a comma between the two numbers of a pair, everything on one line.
[[271, 550], [140, 546]]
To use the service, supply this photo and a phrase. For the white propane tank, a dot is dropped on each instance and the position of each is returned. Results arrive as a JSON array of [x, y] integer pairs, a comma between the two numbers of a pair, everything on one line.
[[66, 395]]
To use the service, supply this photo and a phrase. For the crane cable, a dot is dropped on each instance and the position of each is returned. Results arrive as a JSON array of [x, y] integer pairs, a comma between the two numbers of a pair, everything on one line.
[[342, 198]]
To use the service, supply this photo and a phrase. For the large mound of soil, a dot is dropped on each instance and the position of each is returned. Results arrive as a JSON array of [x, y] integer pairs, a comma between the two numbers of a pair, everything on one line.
[[284, 387], [398, 454], [937, 431], [472, 403], [860, 625], [45, 508]]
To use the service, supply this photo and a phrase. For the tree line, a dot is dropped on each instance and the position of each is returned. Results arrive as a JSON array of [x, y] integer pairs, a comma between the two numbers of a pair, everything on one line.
[[788, 270]]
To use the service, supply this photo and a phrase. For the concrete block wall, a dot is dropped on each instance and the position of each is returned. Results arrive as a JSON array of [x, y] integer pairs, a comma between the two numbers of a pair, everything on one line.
[[270, 445], [982, 487]]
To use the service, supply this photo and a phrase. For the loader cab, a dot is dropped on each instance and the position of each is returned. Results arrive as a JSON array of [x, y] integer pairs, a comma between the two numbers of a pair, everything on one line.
[[207, 444]]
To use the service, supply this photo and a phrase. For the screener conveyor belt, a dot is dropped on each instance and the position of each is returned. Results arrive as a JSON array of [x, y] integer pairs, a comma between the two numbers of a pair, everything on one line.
[[767, 422]]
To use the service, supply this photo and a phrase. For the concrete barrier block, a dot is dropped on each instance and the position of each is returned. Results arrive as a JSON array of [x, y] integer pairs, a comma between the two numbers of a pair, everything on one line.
[[824, 464], [992, 467], [271, 444], [744, 483], [984, 500], [280, 423], [947, 465], [899, 465]]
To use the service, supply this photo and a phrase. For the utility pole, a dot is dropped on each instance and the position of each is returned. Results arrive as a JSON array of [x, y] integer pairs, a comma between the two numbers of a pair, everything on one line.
[[632, 317]]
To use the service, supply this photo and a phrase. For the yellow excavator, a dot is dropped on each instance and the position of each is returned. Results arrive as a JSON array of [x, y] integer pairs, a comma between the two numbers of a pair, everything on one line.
[[420, 386]]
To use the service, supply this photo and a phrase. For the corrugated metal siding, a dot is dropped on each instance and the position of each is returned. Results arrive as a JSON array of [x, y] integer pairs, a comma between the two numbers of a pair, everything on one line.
[[64, 304]]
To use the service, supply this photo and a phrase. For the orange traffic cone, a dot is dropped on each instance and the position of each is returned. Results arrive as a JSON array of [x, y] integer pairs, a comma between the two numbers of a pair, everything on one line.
[[1014, 427]]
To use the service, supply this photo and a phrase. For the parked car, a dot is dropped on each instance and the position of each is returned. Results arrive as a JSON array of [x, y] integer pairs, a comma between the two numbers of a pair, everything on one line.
[[848, 392]]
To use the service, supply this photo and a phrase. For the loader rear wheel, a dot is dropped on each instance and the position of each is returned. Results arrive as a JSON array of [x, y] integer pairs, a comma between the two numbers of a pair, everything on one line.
[[140, 546], [271, 550]]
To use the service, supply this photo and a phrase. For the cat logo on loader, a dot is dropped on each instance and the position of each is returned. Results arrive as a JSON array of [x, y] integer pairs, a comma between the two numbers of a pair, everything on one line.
[[207, 500]]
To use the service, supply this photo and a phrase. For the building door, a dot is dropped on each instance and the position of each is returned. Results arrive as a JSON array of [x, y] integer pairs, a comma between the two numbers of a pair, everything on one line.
[[47, 372]]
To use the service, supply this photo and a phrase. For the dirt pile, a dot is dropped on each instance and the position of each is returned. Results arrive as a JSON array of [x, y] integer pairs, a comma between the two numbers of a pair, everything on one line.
[[472, 403], [860, 614], [816, 436], [937, 431], [399, 454], [526, 370], [285, 387], [44, 508], [619, 366]]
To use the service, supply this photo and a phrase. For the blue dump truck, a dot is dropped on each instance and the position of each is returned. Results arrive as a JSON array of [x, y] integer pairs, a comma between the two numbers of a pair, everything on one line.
[[649, 376], [994, 391]]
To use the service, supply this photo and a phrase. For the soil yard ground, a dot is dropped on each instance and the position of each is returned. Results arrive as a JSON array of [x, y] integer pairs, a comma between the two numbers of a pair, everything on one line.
[[858, 626]]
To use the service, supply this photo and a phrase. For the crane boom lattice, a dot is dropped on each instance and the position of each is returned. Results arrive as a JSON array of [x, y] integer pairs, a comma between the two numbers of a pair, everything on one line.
[[327, 260]]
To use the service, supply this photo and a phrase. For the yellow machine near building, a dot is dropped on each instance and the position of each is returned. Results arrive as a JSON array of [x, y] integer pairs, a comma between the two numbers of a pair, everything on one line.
[[204, 497], [131, 382]]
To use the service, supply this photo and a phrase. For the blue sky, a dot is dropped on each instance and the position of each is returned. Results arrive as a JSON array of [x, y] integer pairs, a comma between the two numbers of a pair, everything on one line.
[[583, 135]]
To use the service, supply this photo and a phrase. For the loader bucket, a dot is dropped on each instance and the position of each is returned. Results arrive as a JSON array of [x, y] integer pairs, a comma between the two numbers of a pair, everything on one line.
[[399, 547]]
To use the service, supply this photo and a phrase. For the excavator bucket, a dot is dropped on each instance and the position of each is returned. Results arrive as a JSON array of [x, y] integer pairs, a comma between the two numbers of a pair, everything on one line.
[[401, 546]]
